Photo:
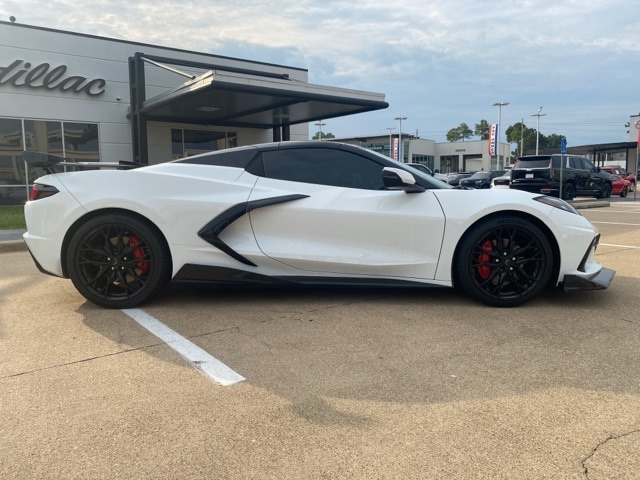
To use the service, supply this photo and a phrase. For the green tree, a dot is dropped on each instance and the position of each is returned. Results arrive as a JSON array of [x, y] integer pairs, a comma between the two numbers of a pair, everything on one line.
[[522, 136], [460, 132], [551, 141], [324, 135], [482, 130]]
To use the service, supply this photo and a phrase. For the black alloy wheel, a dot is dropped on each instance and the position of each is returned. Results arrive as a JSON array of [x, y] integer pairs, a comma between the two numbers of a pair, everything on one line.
[[118, 261], [568, 191], [605, 192], [504, 262]]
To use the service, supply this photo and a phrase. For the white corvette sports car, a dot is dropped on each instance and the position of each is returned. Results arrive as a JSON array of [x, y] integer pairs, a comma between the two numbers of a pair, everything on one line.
[[300, 213]]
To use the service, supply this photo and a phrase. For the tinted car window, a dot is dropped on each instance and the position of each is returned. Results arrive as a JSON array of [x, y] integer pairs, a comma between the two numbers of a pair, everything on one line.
[[537, 162], [588, 165], [323, 166], [238, 157]]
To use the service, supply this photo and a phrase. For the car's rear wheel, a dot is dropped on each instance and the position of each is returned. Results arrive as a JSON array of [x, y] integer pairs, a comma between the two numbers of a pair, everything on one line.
[[504, 262], [118, 260], [568, 191], [605, 192]]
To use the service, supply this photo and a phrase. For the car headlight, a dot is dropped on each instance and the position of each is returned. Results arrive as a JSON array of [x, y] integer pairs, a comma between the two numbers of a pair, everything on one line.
[[557, 203]]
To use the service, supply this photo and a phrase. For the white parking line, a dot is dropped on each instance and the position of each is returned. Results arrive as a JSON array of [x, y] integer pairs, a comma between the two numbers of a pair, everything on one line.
[[199, 358], [617, 246], [617, 223]]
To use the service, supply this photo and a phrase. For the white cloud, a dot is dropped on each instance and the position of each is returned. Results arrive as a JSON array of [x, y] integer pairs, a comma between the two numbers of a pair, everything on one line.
[[441, 63]]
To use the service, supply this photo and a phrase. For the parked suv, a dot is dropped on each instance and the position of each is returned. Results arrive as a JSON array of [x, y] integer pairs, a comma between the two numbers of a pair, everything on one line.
[[541, 173]]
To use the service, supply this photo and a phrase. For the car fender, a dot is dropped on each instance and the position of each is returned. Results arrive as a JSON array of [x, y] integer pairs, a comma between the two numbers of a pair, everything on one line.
[[464, 208]]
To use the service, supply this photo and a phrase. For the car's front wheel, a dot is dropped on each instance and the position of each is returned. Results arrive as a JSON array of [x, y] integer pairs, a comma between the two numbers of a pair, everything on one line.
[[605, 192], [504, 262], [624, 191], [118, 260]]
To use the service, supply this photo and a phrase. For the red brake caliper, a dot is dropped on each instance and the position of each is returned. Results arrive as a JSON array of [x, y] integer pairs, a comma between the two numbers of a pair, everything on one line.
[[138, 253], [483, 257]]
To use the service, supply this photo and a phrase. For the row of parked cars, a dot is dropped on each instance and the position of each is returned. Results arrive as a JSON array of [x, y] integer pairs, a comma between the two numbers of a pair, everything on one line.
[[557, 175]]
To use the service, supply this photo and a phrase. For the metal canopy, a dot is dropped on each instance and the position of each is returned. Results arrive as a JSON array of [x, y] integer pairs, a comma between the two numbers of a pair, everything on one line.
[[223, 98], [239, 97], [598, 150], [602, 148]]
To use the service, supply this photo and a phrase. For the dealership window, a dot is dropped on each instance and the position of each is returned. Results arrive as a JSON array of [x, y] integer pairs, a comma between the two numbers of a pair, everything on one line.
[[426, 160], [74, 140], [185, 143]]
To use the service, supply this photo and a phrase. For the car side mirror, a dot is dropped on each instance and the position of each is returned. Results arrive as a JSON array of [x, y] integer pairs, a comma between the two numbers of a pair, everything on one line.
[[399, 179]]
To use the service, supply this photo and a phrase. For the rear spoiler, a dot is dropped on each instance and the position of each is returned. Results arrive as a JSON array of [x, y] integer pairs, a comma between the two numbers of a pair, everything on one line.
[[48, 161]]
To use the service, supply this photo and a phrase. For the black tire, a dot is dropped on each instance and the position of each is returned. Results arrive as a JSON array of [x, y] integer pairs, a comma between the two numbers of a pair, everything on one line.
[[568, 191], [624, 191], [504, 262], [605, 192], [118, 261]]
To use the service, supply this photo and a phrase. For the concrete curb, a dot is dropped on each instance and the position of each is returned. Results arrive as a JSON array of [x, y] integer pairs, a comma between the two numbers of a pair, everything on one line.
[[7, 246], [590, 204], [11, 241], [15, 243]]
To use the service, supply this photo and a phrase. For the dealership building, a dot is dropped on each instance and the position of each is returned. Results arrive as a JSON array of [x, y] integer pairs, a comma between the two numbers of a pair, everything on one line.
[[91, 98], [444, 157]]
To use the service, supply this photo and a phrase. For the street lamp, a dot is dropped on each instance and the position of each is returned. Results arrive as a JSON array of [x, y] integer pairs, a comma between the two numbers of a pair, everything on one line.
[[391, 129], [400, 152], [320, 125], [538, 115], [499, 105]]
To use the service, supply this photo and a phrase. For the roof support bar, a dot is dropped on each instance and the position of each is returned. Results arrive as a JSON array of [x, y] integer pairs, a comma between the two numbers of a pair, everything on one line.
[[137, 90]]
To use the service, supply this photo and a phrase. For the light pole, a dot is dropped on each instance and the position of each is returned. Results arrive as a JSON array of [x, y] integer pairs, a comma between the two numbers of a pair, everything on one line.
[[391, 129], [320, 125], [522, 137], [635, 190], [499, 105], [400, 152], [538, 115]]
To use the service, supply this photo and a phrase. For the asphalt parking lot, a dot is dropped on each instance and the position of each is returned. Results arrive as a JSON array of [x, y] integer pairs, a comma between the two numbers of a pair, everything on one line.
[[338, 383]]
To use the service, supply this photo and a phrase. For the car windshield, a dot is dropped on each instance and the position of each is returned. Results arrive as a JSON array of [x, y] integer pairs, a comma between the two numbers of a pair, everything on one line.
[[420, 168], [480, 175]]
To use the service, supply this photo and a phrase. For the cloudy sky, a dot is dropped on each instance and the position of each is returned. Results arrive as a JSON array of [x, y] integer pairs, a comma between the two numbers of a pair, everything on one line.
[[439, 63]]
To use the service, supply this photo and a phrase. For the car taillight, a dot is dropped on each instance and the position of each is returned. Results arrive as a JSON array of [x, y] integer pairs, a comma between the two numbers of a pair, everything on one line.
[[39, 191]]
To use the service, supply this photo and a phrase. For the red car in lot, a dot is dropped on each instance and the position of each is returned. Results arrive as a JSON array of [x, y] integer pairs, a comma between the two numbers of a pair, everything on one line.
[[620, 186], [618, 170]]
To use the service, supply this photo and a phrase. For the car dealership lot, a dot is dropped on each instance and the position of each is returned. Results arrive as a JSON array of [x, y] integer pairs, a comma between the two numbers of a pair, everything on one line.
[[339, 383]]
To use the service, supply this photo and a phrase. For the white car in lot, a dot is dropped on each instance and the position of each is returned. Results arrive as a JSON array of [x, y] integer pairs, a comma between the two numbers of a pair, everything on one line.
[[428, 171], [502, 181], [300, 213]]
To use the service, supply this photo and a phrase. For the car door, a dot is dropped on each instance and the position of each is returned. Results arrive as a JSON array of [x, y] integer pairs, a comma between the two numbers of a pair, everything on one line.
[[579, 174], [591, 182], [343, 221]]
